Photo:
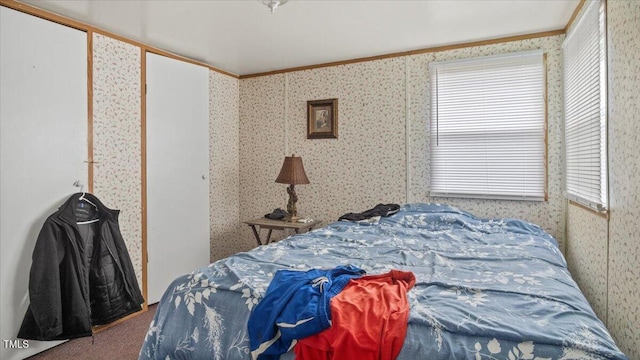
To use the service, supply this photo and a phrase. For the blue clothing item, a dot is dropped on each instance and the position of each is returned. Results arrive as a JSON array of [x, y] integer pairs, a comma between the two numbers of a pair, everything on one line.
[[296, 305]]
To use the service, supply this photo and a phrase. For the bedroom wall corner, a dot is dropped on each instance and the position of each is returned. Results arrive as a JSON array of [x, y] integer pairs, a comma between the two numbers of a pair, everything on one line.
[[623, 22], [224, 172], [587, 246], [420, 127], [262, 150], [117, 143]]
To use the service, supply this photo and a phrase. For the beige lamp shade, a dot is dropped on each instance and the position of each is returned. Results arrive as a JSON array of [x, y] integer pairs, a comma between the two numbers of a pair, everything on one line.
[[292, 171]]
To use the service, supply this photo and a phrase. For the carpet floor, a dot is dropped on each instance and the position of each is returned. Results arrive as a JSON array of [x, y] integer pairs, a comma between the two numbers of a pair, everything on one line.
[[122, 341]]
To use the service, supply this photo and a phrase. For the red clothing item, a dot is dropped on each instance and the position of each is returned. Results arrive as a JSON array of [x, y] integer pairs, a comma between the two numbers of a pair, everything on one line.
[[369, 320]]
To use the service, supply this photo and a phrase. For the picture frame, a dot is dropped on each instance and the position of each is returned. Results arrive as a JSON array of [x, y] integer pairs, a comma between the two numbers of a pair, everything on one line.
[[322, 119]]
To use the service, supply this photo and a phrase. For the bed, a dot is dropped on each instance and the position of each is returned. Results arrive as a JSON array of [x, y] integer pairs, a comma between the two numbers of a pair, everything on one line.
[[485, 289]]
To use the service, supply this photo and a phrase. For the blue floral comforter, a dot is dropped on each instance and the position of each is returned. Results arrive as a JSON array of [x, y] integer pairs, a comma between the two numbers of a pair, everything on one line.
[[485, 289]]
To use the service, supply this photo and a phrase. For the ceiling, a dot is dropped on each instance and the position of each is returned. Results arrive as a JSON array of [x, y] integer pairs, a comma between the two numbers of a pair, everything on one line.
[[243, 37]]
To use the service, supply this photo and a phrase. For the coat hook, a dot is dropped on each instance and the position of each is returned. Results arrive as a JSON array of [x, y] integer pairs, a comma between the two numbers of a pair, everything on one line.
[[78, 184]]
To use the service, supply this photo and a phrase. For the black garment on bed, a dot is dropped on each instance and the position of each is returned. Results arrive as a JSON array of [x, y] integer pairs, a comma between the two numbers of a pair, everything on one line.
[[379, 210], [81, 273]]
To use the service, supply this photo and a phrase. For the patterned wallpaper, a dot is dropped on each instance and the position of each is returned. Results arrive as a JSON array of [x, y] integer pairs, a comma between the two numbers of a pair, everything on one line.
[[223, 168], [586, 255], [587, 242], [361, 168], [366, 165], [117, 137], [261, 152], [117, 146], [616, 300], [624, 164]]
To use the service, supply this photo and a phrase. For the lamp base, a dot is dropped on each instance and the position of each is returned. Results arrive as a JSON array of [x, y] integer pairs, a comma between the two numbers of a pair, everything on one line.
[[290, 218], [292, 210]]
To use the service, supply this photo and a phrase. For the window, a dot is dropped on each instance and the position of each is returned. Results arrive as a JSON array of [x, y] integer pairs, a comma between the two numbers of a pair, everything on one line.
[[585, 109], [488, 118]]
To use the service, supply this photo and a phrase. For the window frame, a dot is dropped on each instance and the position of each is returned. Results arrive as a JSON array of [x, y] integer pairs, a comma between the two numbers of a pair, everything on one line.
[[538, 136], [579, 180]]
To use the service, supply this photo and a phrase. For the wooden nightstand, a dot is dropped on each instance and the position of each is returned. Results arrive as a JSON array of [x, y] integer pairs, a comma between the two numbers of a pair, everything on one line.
[[266, 223]]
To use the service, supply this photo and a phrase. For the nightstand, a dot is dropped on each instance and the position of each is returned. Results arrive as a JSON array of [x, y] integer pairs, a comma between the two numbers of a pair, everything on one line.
[[266, 223]]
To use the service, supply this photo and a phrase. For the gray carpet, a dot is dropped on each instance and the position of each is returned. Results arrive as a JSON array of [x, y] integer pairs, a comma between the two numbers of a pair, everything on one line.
[[122, 341]]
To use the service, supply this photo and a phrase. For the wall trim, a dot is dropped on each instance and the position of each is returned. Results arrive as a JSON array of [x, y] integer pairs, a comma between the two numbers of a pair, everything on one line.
[[609, 95], [574, 15], [44, 14], [413, 52], [546, 128], [286, 120], [286, 125], [90, 161], [143, 172], [407, 130]]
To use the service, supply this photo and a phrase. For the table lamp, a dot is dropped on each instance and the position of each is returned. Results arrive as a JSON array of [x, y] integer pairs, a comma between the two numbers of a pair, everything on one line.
[[292, 173]]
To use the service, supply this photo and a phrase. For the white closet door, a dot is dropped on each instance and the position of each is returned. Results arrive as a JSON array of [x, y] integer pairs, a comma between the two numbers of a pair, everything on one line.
[[177, 171], [43, 149]]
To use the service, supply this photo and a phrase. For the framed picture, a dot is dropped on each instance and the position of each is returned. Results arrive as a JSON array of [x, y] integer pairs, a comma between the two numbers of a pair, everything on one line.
[[322, 119]]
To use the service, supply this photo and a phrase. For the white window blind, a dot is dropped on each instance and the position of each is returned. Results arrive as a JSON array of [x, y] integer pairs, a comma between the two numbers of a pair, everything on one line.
[[585, 109], [488, 127]]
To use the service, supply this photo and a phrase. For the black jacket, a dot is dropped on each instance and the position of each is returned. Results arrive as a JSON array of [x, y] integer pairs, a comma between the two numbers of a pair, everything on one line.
[[81, 275], [383, 210]]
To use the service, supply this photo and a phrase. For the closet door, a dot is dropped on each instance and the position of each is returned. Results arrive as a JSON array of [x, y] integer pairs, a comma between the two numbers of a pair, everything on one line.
[[43, 149], [177, 171]]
